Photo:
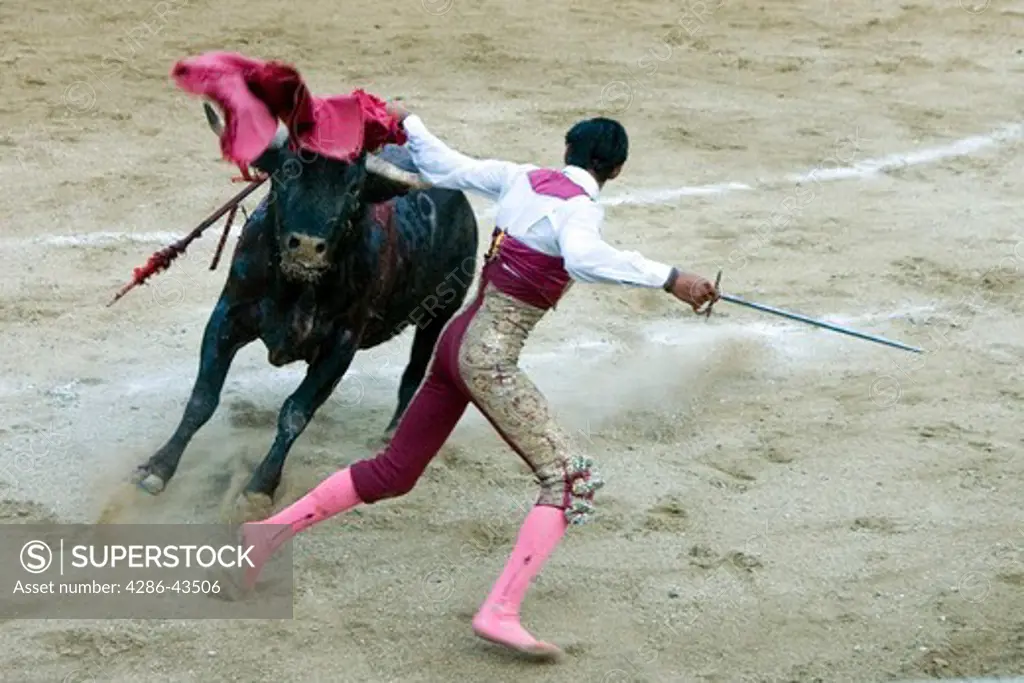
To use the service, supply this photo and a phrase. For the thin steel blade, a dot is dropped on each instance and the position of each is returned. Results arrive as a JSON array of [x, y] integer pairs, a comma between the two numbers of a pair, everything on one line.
[[818, 323]]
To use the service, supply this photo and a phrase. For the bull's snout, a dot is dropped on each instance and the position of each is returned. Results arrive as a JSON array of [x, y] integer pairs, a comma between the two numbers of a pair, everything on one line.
[[307, 250], [304, 255]]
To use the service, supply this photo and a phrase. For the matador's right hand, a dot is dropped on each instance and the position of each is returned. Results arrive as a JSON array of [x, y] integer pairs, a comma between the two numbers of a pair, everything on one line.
[[694, 290], [396, 110]]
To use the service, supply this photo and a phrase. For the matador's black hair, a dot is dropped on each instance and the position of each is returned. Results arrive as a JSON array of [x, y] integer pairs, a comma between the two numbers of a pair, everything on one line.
[[599, 145]]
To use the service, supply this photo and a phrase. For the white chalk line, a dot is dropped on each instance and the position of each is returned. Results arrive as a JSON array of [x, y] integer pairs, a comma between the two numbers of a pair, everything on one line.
[[102, 239], [858, 171]]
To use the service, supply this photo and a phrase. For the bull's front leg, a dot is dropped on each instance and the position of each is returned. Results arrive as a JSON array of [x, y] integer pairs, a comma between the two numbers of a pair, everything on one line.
[[320, 381], [225, 334]]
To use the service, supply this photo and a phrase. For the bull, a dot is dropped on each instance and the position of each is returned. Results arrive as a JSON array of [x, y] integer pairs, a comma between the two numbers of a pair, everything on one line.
[[337, 258]]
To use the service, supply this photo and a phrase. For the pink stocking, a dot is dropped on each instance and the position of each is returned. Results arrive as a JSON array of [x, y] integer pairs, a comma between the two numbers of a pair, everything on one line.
[[332, 496], [498, 618]]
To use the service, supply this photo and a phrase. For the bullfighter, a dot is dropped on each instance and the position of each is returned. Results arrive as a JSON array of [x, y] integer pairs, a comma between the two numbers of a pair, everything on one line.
[[547, 235]]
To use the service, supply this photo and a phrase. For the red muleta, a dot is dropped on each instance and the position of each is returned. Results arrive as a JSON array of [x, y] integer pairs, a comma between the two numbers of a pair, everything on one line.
[[254, 96]]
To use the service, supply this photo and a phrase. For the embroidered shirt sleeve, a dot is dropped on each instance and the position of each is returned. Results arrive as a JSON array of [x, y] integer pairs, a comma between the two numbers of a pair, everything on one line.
[[588, 258], [447, 168]]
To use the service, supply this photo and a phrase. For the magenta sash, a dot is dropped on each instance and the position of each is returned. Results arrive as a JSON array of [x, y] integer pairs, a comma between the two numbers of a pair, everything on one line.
[[523, 273]]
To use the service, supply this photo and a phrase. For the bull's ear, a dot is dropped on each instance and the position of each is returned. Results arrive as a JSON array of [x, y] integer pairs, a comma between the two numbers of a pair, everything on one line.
[[276, 154]]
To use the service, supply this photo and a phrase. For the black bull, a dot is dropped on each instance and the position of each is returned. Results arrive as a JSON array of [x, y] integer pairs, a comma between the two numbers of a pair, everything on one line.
[[335, 259]]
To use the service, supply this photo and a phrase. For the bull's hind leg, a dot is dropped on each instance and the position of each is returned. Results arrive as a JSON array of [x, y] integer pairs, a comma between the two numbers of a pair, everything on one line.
[[225, 334], [423, 344], [321, 378]]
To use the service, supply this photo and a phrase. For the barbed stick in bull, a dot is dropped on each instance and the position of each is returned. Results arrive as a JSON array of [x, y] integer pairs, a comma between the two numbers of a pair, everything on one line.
[[162, 259], [810, 321]]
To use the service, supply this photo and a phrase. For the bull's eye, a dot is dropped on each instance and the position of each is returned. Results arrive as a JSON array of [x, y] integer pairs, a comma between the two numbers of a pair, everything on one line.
[[321, 248], [293, 243]]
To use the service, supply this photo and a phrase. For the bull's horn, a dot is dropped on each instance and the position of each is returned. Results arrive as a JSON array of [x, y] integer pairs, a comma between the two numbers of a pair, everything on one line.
[[213, 118], [385, 169]]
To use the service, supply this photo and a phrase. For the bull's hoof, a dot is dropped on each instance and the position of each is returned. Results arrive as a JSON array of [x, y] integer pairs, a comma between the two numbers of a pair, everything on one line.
[[253, 507], [149, 482]]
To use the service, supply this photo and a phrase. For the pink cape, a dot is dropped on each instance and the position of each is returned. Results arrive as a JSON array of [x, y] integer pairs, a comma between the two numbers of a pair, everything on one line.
[[254, 94]]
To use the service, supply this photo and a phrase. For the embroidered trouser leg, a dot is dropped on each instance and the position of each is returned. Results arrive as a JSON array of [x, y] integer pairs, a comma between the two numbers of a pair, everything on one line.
[[488, 364]]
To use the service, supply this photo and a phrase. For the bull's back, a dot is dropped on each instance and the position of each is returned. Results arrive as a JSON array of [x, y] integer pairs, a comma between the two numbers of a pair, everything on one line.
[[435, 237]]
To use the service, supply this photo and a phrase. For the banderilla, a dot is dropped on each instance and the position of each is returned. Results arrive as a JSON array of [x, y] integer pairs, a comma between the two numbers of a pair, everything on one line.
[[162, 259], [810, 321]]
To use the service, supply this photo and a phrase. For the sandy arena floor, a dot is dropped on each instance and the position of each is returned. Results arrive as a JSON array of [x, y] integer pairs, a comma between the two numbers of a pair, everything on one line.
[[784, 504]]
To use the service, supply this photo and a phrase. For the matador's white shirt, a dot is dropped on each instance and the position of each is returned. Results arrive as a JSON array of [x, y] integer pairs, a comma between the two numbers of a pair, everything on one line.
[[557, 227]]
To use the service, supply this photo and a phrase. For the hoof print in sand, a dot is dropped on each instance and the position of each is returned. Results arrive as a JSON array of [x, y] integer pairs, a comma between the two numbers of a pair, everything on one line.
[[775, 455], [668, 515], [1011, 578], [20, 512], [80, 643], [719, 483], [877, 524], [742, 561], [704, 557]]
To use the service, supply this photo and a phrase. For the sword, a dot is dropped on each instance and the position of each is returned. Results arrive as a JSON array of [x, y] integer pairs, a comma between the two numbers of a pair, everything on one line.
[[810, 321]]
